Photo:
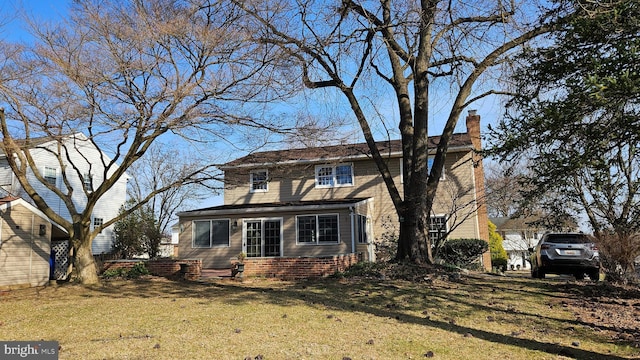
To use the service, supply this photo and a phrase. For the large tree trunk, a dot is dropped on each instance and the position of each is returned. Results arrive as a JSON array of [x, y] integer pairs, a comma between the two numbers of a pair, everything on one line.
[[413, 242], [85, 267]]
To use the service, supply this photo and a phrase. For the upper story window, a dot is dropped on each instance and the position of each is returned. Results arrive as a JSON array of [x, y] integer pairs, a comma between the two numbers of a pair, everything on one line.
[[87, 182], [334, 176], [429, 166], [210, 233], [51, 175], [97, 222], [259, 180]]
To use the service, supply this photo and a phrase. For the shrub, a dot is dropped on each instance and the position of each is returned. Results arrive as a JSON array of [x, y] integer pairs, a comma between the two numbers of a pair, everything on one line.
[[364, 268], [139, 269], [499, 257], [618, 254], [499, 263], [463, 252], [114, 273]]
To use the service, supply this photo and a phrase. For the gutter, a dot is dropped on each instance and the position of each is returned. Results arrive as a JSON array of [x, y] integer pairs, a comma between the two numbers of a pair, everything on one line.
[[352, 215], [255, 210]]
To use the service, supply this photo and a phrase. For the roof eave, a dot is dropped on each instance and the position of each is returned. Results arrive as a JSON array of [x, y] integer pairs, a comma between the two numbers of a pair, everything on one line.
[[256, 210], [394, 154]]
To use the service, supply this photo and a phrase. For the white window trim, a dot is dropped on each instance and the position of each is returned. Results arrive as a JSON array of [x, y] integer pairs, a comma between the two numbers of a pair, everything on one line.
[[93, 222], [262, 221], [367, 228], [211, 246], [84, 182], [334, 176], [44, 174], [317, 242], [251, 189], [446, 222]]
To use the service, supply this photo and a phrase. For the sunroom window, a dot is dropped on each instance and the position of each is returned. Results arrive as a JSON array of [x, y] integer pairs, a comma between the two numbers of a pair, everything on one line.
[[318, 229], [210, 233]]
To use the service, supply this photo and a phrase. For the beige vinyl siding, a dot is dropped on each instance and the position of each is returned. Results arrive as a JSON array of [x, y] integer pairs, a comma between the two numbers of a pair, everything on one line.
[[24, 253], [216, 257], [458, 191], [297, 183], [220, 257]]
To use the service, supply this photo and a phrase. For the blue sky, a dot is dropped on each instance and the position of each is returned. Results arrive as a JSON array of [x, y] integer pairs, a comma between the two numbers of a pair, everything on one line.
[[489, 109], [41, 9]]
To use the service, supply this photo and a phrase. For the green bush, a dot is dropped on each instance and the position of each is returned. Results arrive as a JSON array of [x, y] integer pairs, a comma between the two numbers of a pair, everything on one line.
[[114, 273], [499, 263], [139, 269], [463, 252]]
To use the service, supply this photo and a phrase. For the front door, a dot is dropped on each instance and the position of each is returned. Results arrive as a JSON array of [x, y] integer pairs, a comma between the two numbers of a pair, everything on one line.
[[263, 237]]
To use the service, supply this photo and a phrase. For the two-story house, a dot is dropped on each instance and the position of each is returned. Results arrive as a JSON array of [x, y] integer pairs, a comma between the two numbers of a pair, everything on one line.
[[314, 210], [80, 156]]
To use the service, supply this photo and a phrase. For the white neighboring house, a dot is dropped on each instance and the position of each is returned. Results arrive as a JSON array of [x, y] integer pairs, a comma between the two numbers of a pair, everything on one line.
[[89, 160], [517, 237]]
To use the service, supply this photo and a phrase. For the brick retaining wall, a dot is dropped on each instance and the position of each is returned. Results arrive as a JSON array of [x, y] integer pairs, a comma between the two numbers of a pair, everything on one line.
[[298, 267], [162, 267]]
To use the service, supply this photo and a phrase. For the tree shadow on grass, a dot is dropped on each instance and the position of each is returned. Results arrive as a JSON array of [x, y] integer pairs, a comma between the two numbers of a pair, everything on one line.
[[378, 298]]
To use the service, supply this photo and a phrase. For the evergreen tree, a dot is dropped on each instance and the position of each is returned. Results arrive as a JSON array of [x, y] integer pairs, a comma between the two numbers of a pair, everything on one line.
[[499, 255], [137, 234], [576, 119]]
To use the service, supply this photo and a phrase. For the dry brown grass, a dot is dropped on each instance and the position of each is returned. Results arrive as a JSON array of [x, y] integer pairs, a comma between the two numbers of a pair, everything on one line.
[[474, 317]]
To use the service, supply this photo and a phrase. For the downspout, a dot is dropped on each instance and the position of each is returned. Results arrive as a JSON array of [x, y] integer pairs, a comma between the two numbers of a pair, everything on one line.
[[353, 235]]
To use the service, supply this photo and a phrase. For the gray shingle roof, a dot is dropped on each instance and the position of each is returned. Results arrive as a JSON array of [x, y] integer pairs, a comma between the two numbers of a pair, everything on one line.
[[337, 151]]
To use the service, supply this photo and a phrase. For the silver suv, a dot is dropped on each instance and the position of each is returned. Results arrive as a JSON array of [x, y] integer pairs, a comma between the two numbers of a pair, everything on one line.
[[565, 253]]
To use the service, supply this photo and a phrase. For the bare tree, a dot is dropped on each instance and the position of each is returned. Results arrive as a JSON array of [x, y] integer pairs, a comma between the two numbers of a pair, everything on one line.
[[125, 74], [159, 169], [413, 48], [503, 190]]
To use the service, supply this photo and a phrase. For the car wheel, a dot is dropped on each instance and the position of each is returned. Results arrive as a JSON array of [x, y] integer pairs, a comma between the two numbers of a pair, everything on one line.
[[579, 276], [541, 274], [594, 275]]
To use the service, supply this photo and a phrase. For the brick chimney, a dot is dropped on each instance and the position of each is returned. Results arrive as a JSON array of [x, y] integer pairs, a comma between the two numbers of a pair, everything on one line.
[[473, 129]]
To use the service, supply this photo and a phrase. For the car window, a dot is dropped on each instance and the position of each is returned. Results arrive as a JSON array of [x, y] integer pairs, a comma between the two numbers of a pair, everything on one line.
[[567, 239]]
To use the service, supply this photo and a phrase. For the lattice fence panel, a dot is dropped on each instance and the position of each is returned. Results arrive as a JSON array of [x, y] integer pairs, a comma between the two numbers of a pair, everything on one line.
[[61, 249]]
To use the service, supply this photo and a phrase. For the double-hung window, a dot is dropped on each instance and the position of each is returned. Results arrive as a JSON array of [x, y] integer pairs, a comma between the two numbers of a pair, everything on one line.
[[51, 175], [437, 228], [87, 182], [317, 229], [259, 181], [210, 233], [97, 222], [429, 166], [334, 176]]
